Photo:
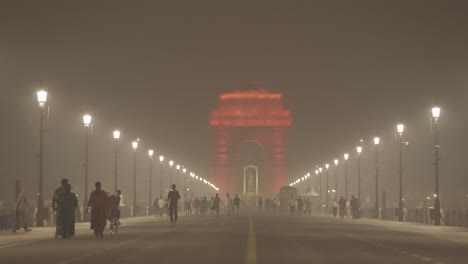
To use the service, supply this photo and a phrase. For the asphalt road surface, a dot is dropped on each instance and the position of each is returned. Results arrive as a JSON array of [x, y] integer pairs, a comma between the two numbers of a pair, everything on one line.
[[249, 238]]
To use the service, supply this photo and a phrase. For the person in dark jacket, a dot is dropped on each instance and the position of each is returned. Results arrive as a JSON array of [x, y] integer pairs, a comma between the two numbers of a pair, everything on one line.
[[66, 205], [172, 197], [342, 204], [57, 194], [99, 203]]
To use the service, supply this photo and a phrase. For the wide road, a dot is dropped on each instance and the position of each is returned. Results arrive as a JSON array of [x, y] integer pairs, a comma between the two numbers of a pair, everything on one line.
[[249, 238]]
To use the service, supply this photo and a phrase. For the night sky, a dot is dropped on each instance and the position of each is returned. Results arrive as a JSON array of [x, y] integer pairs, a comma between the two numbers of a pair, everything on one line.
[[347, 71]]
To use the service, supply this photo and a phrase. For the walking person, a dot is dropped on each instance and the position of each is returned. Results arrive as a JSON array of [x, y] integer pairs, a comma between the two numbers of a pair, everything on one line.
[[236, 205], [172, 197], [204, 206], [99, 203], [229, 205], [276, 205], [197, 206], [161, 204], [292, 205], [308, 206], [20, 212], [342, 204], [66, 204], [354, 208], [335, 207], [260, 205], [57, 194], [216, 204], [300, 206], [348, 208], [188, 207], [114, 213]]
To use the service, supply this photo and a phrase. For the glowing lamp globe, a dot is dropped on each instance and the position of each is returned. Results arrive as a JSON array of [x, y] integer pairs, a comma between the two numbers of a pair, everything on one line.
[[42, 98], [116, 134]]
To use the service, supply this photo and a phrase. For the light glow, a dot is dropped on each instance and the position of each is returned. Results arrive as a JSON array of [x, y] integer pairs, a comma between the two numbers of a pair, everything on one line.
[[346, 156], [135, 145], [87, 119], [376, 140], [400, 129], [161, 159], [359, 150], [336, 162], [150, 153], [436, 113], [116, 134], [42, 98]]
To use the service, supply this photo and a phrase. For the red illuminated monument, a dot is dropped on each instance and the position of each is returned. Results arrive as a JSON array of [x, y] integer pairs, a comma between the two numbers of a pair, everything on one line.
[[250, 128]]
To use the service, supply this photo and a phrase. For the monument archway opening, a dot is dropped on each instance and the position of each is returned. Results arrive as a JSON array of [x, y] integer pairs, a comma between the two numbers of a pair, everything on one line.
[[250, 132]]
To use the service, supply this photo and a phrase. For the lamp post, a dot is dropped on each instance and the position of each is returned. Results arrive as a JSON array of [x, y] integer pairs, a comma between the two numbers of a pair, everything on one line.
[[376, 143], [42, 100], [400, 130], [161, 160], [135, 147], [346, 156], [192, 192], [178, 169], [327, 166], [150, 199], [171, 163], [320, 185], [195, 185], [336, 179], [184, 170], [116, 156], [87, 121], [359, 151], [435, 119]]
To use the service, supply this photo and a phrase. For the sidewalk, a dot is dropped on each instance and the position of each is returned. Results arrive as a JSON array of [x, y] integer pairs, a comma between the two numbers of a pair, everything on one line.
[[450, 233], [9, 239]]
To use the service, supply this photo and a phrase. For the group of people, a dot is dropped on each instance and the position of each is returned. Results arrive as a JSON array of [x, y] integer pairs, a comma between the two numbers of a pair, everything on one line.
[[269, 205], [202, 206], [103, 206], [347, 208], [300, 206]]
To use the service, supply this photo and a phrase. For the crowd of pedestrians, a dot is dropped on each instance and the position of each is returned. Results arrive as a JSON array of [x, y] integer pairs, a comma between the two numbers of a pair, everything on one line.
[[347, 208], [102, 206]]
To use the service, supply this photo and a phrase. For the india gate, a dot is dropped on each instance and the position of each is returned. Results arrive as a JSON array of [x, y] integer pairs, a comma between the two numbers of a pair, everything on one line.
[[250, 131]]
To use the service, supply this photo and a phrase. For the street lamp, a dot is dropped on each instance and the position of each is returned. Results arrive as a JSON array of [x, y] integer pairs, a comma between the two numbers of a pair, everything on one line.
[[359, 151], [336, 178], [320, 185], [87, 121], [161, 160], [116, 156], [135, 147], [42, 100], [327, 197], [435, 119], [171, 163], [178, 169], [376, 143], [150, 198], [184, 170], [346, 157], [400, 130]]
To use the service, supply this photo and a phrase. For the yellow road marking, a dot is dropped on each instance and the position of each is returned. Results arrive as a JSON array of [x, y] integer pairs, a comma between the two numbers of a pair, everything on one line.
[[251, 256]]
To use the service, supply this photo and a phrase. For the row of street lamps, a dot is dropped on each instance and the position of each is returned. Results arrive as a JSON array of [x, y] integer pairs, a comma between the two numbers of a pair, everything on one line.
[[88, 124], [400, 130]]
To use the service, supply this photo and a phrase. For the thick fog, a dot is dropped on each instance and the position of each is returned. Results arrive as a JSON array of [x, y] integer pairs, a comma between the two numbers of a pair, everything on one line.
[[154, 71]]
